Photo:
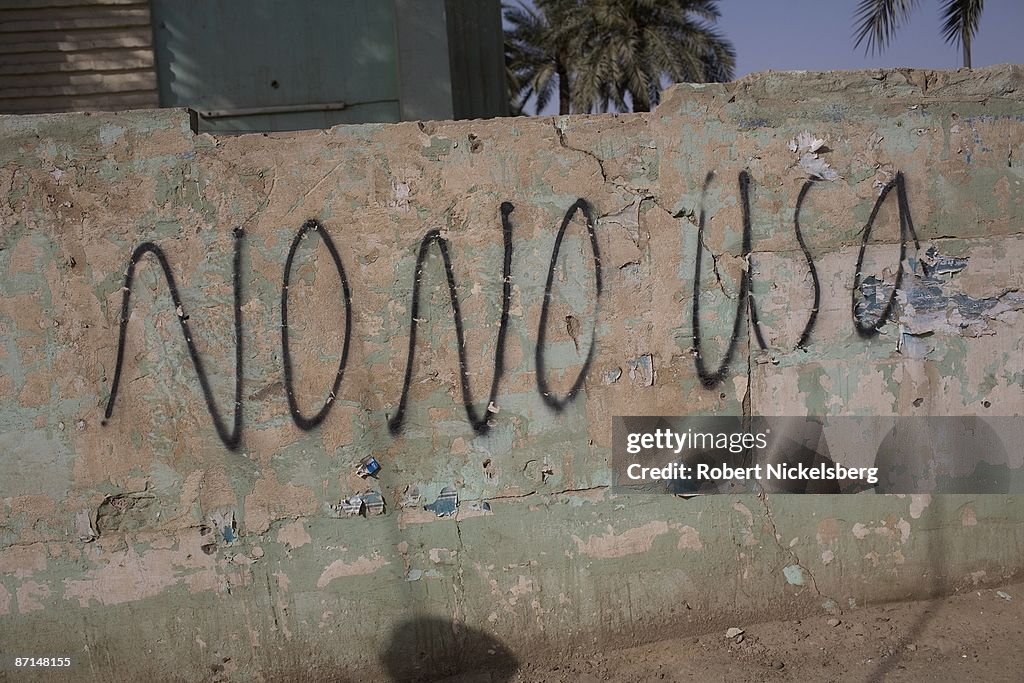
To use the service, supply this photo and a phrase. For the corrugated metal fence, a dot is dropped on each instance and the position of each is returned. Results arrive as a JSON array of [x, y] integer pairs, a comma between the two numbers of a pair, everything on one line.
[[68, 55]]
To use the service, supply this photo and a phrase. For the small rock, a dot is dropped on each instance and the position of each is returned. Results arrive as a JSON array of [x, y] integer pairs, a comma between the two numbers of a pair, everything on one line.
[[733, 632], [833, 622], [912, 647], [1004, 595], [779, 664], [257, 552]]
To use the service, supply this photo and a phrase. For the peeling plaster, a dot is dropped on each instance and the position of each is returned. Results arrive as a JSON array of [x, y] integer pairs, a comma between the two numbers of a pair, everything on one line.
[[359, 567], [918, 503], [630, 542], [294, 534], [689, 539]]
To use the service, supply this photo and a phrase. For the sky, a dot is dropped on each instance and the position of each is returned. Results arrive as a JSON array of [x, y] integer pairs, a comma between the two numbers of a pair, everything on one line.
[[816, 35]]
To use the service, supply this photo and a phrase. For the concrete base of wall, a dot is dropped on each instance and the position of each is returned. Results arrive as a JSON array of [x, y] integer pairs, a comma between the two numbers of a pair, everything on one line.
[[537, 578]]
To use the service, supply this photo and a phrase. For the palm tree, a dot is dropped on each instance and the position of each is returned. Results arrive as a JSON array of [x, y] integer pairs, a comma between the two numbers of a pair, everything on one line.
[[605, 53], [537, 53], [631, 48], [877, 21]]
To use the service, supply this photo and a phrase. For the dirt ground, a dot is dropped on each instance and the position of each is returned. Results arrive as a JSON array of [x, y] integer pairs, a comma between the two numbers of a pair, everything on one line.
[[974, 636]]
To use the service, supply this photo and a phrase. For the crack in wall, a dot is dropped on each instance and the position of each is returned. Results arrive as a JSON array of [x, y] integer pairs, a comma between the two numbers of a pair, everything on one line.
[[642, 193], [714, 267], [459, 584], [565, 144], [763, 497], [272, 605], [563, 492]]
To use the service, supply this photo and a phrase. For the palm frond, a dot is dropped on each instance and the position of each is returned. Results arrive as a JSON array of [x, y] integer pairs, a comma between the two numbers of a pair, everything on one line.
[[876, 21], [960, 18]]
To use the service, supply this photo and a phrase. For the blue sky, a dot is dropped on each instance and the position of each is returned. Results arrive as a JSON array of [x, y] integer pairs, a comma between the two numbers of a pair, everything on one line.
[[816, 35]]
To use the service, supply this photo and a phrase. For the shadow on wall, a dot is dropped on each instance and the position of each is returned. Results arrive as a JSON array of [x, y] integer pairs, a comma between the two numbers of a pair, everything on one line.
[[963, 454], [435, 648]]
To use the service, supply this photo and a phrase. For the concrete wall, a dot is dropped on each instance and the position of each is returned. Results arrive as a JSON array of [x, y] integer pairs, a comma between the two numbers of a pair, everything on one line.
[[175, 537]]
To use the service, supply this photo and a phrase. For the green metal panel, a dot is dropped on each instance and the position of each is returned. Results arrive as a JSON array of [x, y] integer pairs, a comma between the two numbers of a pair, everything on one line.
[[257, 65]]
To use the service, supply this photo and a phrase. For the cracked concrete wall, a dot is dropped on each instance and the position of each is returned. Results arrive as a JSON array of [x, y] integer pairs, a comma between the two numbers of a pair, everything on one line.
[[155, 542]]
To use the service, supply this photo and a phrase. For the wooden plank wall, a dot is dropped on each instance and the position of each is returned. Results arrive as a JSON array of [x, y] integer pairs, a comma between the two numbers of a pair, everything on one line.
[[76, 55]]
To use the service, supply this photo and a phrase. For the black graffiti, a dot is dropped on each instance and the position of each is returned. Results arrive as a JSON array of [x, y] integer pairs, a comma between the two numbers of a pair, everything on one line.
[[748, 258], [548, 396], [303, 422], [713, 379], [805, 335], [232, 438], [906, 228], [478, 421]]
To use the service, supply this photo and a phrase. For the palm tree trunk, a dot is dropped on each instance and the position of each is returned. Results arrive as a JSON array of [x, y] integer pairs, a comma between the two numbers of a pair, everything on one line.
[[563, 88], [966, 40]]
